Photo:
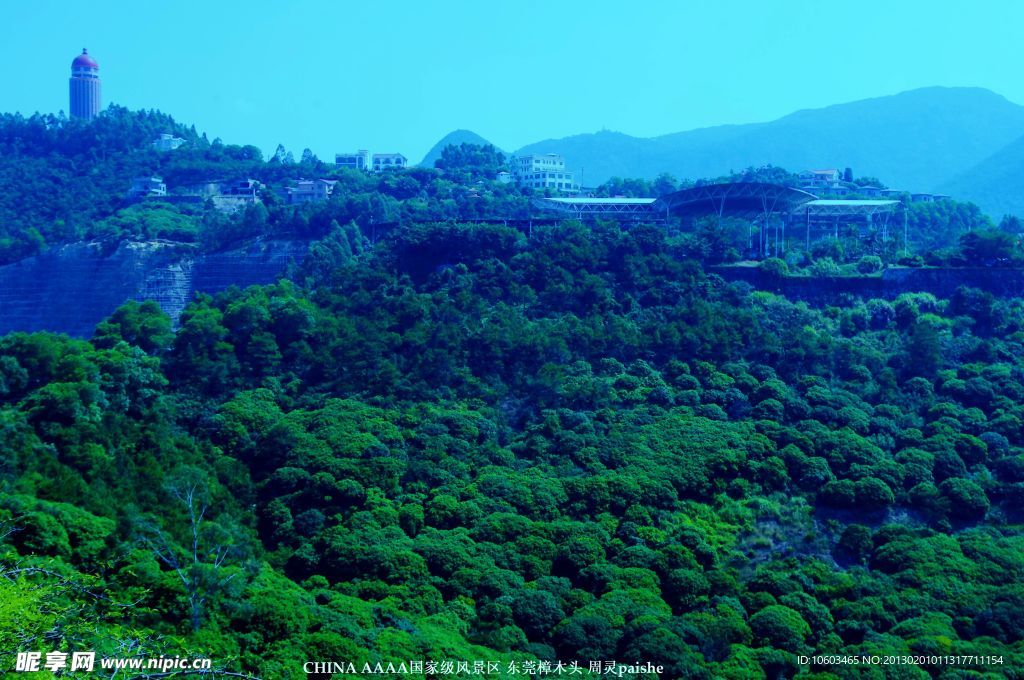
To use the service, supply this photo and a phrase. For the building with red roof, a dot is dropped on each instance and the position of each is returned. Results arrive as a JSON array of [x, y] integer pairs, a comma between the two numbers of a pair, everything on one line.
[[85, 87]]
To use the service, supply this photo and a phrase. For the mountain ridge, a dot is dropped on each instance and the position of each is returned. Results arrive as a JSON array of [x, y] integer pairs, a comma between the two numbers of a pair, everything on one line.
[[914, 140], [996, 183], [453, 138], [917, 140]]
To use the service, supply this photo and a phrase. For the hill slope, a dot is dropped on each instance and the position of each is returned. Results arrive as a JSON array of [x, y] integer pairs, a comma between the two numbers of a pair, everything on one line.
[[916, 140], [453, 138], [996, 183]]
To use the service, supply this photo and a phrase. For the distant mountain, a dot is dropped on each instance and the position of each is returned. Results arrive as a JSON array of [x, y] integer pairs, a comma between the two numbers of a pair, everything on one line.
[[996, 183], [454, 138], [917, 140]]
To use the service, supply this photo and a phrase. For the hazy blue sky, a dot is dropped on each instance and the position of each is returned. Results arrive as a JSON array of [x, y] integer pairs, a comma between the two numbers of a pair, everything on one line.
[[397, 75]]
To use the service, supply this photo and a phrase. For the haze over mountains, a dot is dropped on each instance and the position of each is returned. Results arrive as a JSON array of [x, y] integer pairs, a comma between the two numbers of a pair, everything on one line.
[[968, 142], [996, 183]]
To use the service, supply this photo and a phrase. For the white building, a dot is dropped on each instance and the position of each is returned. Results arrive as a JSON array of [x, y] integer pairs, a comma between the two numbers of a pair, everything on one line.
[[820, 179], [360, 160], [311, 191], [504, 177], [143, 187], [385, 161], [167, 142], [539, 171], [237, 194]]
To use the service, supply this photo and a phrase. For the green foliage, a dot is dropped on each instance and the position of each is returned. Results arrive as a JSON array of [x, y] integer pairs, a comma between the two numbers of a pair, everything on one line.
[[460, 442], [825, 267], [42, 155], [869, 264], [142, 324], [988, 247], [150, 220], [470, 162], [718, 239], [935, 224], [780, 627], [774, 266]]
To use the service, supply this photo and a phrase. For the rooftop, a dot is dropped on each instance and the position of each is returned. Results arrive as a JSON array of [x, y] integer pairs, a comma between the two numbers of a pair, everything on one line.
[[850, 203], [83, 60], [603, 201]]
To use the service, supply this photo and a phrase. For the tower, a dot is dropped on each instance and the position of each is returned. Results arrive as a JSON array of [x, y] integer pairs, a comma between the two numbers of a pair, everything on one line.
[[85, 87]]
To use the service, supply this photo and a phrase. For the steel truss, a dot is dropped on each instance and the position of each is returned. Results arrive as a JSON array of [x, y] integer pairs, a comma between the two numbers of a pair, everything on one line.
[[622, 210]]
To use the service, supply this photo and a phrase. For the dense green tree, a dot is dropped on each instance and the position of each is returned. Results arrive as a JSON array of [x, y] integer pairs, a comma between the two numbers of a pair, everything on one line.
[[461, 441], [780, 627], [470, 162], [987, 247]]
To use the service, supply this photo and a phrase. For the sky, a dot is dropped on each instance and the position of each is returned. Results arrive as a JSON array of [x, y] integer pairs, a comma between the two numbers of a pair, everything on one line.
[[397, 75]]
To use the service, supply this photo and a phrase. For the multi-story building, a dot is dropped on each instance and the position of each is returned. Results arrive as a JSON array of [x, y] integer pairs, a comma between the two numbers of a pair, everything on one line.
[[226, 195], [386, 161], [241, 187], [360, 160], [248, 187], [167, 142], [311, 191], [820, 179], [543, 171], [144, 187], [84, 87]]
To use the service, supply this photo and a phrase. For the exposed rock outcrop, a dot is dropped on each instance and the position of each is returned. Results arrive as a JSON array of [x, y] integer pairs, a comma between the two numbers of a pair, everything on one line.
[[71, 288]]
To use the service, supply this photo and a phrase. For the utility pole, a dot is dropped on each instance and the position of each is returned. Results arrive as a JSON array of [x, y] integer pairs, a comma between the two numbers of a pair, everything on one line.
[[807, 225], [906, 250]]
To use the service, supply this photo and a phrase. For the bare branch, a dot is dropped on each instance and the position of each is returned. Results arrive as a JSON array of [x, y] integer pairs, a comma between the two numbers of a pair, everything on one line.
[[12, 574]]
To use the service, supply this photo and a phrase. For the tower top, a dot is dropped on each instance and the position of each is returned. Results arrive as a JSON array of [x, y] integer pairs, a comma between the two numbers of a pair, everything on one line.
[[83, 60]]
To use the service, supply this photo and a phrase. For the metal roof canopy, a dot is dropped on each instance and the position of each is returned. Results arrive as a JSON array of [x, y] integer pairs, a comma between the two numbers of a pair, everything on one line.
[[756, 201], [845, 209], [735, 199], [600, 201], [623, 209], [829, 213]]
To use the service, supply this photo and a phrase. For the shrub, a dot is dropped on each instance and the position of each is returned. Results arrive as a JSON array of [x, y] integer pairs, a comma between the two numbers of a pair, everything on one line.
[[773, 266], [869, 264]]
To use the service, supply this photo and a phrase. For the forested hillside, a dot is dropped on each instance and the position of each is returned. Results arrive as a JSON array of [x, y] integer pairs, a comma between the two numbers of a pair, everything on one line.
[[440, 440], [459, 443], [64, 180]]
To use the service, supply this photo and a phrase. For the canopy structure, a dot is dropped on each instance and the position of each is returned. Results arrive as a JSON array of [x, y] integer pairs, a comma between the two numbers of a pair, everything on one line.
[[834, 209], [831, 213], [749, 200], [621, 209], [754, 201], [758, 202]]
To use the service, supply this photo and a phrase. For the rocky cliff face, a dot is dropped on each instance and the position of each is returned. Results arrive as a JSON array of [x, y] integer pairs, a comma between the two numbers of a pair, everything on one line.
[[72, 288]]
